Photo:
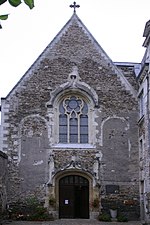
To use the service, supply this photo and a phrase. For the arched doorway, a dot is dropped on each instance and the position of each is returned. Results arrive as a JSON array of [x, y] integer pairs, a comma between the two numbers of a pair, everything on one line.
[[73, 197]]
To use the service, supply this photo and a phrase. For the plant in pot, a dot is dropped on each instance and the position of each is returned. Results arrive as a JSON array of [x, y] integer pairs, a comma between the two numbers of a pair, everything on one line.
[[52, 201], [113, 210], [95, 203]]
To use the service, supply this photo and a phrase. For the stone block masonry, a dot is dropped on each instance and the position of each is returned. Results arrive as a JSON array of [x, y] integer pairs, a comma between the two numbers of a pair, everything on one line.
[[3, 181]]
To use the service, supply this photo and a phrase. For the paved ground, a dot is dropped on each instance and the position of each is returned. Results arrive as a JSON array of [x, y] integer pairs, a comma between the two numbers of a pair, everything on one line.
[[70, 222]]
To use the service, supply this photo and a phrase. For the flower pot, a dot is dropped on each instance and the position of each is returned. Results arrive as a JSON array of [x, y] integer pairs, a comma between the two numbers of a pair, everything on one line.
[[113, 213]]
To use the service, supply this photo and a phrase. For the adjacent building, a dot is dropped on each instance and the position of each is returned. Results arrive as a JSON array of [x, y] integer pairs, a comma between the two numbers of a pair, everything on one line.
[[144, 127]]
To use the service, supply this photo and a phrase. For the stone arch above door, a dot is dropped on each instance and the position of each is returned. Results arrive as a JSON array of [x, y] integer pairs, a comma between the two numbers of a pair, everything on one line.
[[94, 191], [77, 172]]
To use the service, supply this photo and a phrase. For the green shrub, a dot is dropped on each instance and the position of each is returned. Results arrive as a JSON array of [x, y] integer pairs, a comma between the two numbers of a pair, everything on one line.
[[122, 218], [104, 217], [31, 209]]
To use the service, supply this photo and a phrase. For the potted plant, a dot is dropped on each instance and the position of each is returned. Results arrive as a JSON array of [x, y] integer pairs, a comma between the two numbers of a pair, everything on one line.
[[95, 202], [52, 201], [113, 210]]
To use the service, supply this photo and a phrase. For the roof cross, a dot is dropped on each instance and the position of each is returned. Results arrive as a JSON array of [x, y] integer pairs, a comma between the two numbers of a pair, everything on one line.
[[74, 6]]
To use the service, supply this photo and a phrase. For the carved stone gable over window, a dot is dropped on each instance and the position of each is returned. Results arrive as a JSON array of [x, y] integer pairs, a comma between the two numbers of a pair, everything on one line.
[[74, 103]]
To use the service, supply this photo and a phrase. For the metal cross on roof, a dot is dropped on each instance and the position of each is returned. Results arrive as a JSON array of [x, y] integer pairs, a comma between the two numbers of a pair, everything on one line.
[[74, 6]]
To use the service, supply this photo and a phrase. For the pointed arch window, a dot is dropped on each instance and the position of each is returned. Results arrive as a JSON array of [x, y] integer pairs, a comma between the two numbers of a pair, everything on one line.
[[73, 120]]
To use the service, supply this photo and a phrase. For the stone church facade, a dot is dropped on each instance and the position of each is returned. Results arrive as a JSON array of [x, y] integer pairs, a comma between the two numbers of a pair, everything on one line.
[[69, 129]]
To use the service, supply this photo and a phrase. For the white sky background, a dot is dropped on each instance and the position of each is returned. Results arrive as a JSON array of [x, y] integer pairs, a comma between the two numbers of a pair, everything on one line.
[[117, 25]]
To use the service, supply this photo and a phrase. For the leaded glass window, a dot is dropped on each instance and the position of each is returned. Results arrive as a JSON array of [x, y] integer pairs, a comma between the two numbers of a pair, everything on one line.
[[73, 120]]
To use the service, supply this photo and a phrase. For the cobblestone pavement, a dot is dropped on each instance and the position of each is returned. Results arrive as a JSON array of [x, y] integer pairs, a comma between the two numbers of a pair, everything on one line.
[[70, 222]]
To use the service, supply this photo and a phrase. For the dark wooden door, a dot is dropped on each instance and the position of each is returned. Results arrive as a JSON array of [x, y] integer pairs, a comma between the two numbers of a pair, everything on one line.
[[66, 202], [81, 202], [74, 197]]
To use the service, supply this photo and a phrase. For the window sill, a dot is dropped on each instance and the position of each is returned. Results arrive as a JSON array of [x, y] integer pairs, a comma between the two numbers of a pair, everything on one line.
[[78, 146]]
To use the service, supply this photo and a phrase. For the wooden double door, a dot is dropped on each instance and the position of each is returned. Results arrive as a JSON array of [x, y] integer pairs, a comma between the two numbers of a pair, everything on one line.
[[74, 197]]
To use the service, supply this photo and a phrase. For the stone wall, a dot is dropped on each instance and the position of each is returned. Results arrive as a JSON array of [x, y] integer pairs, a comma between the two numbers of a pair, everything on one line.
[[3, 181], [0, 135]]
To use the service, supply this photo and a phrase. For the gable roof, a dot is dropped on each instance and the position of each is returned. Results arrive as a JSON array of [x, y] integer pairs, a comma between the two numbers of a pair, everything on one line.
[[75, 20]]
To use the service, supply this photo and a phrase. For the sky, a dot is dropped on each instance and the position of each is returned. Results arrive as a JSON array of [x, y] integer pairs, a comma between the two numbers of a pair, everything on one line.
[[117, 25]]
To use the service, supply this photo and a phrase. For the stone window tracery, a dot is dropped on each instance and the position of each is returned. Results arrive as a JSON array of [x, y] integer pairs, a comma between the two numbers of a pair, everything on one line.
[[73, 120]]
